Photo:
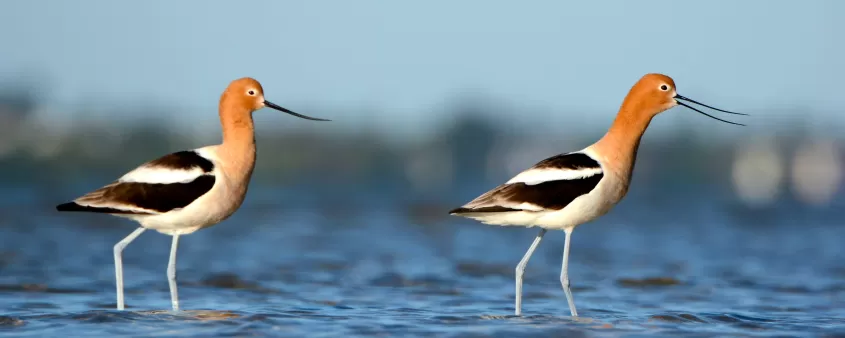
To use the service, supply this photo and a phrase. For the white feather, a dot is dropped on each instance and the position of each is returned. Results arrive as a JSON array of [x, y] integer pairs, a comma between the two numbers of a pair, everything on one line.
[[537, 176], [527, 207], [161, 175]]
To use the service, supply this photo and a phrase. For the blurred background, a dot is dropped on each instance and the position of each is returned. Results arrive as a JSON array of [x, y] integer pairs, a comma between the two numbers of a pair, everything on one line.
[[432, 104]]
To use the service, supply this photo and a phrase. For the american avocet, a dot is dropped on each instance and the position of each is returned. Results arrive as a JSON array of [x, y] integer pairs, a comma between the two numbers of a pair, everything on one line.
[[570, 189], [188, 190]]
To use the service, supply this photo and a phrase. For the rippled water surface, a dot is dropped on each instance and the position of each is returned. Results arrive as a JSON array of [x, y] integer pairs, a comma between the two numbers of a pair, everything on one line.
[[299, 264]]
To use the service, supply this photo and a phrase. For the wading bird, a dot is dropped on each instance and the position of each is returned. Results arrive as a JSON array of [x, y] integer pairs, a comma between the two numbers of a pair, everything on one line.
[[185, 191], [570, 189]]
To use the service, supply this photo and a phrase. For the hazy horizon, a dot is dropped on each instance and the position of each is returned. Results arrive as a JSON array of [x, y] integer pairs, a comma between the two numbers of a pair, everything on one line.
[[398, 67]]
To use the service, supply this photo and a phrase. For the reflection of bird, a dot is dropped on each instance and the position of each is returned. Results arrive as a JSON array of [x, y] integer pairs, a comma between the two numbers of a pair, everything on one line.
[[564, 191], [188, 190]]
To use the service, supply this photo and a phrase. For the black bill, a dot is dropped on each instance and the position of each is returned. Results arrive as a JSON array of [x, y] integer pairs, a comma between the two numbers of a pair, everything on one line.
[[686, 99], [283, 109]]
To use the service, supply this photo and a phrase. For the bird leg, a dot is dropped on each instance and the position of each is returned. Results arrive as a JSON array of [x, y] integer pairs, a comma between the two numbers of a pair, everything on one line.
[[171, 274], [520, 270], [118, 263], [564, 274]]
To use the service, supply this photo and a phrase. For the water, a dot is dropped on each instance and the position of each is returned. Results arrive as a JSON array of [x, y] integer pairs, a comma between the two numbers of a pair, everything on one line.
[[304, 263]]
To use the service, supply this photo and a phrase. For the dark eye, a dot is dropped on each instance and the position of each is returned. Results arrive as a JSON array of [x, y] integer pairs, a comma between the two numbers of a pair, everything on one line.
[[664, 87], [251, 92]]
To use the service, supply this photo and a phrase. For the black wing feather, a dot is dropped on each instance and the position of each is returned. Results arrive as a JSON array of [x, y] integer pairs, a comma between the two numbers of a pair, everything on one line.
[[155, 197], [549, 195], [571, 161]]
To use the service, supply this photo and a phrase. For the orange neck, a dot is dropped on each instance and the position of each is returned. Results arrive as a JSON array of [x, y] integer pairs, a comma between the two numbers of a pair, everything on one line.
[[619, 146], [238, 147], [238, 127]]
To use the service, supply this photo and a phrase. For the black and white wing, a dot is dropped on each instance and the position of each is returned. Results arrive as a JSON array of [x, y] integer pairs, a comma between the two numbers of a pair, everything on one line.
[[550, 185], [170, 182]]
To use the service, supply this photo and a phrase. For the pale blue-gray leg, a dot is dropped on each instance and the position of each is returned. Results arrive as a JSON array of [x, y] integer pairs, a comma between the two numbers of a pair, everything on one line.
[[171, 274], [564, 274], [118, 263], [520, 270]]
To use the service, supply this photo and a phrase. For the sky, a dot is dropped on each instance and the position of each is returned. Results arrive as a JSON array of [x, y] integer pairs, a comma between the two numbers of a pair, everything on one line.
[[398, 65]]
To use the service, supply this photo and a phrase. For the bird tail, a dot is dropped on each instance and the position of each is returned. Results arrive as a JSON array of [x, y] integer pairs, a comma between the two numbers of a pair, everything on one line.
[[458, 211], [70, 206], [73, 206]]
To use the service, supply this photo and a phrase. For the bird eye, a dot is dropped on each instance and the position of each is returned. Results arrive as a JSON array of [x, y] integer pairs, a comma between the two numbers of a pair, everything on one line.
[[251, 92], [664, 87]]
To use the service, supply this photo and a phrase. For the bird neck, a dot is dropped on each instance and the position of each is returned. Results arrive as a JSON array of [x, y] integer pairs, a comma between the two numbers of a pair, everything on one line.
[[620, 144], [238, 147], [238, 127]]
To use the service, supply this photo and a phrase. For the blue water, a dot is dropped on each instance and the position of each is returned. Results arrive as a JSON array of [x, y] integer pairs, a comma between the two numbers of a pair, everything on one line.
[[304, 263]]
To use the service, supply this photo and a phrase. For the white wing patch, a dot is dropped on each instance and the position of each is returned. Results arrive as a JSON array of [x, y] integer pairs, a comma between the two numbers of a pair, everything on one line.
[[161, 175], [537, 176], [524, 206]]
